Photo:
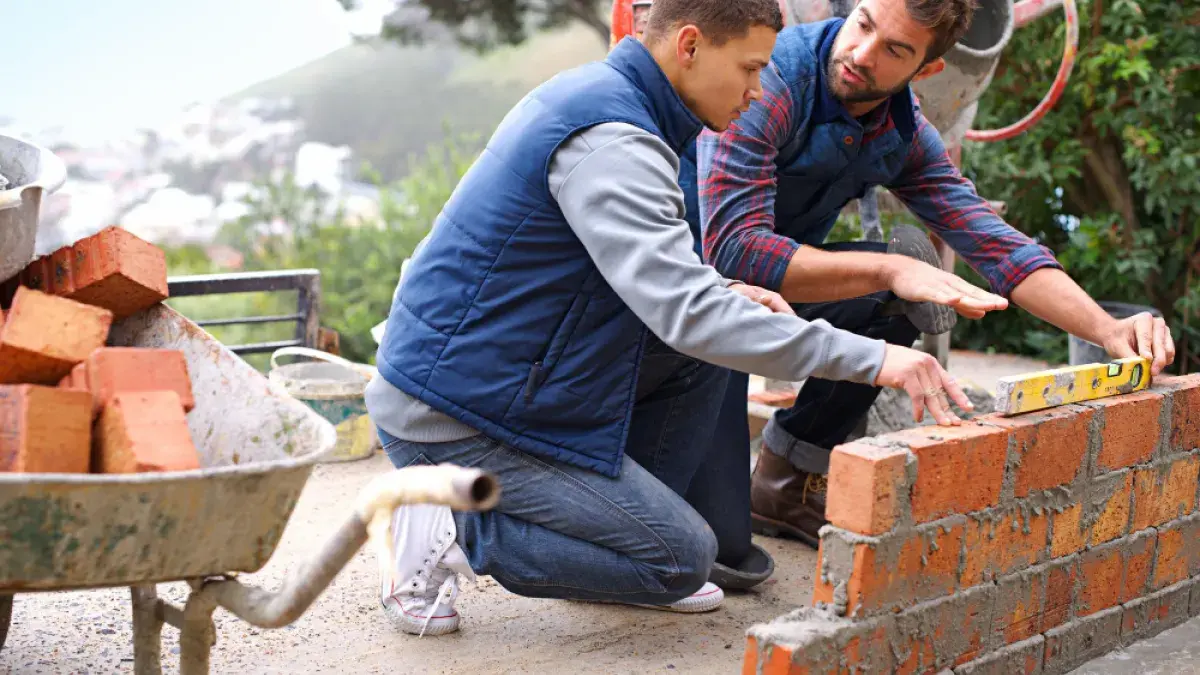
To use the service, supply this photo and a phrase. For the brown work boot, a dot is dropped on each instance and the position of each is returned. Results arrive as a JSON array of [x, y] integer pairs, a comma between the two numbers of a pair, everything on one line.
[[785, 500]]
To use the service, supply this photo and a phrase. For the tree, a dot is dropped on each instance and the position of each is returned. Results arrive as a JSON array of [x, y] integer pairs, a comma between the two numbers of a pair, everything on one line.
[[486, 24], [1109, 179], [359, 262]]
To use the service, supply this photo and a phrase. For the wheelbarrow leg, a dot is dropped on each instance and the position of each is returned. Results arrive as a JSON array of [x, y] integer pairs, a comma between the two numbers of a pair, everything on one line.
[[198, 634], [147, 631]]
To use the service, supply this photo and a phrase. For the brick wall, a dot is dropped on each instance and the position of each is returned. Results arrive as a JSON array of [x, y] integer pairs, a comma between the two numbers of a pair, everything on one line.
[[1027, 544]]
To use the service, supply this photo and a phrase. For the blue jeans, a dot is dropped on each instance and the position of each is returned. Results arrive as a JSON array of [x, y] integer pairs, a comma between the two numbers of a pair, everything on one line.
[[560, 531]]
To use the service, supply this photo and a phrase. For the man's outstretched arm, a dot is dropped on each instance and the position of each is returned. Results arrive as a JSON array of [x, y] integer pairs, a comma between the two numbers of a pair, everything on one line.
[[1013, 264], [736, 177]]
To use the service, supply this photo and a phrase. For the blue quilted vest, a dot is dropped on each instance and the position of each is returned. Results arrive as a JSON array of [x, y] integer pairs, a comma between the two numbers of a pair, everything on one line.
[[503, 322], [828, 161]]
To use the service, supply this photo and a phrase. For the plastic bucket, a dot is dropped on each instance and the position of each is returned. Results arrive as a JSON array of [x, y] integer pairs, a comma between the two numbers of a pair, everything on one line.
[[1080, 351], [333, 387]]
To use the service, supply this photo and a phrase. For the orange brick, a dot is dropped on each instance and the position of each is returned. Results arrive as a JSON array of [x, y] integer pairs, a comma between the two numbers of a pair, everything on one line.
[[1060, 592], [1129, 430], [1137, 561], [1185, 410], [144, 431], [1165, 491], [1176, 544], [45, 336], [866, 485], [1067, 534], [61, 280], [959, 469], [1113, 521], [1020, 602], [1051, 446], [944, 632], [1005, 543], [890, 572], [37, 275], [117, 270], [114, 370], [44, 429], [1100, 579]]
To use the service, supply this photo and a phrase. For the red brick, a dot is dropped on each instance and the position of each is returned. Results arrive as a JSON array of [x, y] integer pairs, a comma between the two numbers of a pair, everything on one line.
[[1067, 534], [117, 270], [45, 336], [37, 275], [891, 572], [1113, 521], [1185, 410], [1164, 491], [1020, 602], [1071, 645], [1061, 583], [1051, 446], [866, 487], [1099, 579], [944, 632], [828, 647], [1022, 658], [959, 469], [144, 431], [1138, 554], [114, 370], [44, 429], [1129, 430], [1176, 556], [1149, 616], [1008, 542], [61, 279]]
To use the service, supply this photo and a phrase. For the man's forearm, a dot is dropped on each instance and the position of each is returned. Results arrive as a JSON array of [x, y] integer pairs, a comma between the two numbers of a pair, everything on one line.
[[1052, 296], [815, 275]]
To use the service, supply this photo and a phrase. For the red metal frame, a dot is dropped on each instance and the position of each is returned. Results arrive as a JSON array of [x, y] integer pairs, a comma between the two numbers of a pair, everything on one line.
[[1024, 12]]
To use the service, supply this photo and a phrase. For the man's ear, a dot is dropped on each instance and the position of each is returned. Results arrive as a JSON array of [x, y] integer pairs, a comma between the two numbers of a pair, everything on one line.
[[686, 42], [930, 69]]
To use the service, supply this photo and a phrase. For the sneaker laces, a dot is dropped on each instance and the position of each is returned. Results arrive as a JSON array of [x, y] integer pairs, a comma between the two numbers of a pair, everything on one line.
[[453, 563]]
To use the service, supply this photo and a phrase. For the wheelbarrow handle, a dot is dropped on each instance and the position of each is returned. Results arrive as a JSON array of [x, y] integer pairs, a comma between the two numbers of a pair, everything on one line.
[[453, 486]]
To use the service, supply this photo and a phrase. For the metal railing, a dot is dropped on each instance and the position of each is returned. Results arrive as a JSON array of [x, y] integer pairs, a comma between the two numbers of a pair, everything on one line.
[[307, 283]]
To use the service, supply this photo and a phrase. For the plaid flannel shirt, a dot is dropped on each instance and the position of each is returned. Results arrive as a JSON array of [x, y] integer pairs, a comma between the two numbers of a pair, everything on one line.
[[737, 182]]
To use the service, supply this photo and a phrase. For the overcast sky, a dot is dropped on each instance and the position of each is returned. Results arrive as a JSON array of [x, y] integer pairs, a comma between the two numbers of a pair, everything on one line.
[[103, 66]]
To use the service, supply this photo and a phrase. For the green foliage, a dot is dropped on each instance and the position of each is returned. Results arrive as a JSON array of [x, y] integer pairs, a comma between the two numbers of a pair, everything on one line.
[[359, 261], [1109, 178]]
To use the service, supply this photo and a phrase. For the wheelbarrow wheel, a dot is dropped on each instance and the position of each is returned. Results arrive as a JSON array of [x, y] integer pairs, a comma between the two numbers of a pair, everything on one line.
[[5, 616]]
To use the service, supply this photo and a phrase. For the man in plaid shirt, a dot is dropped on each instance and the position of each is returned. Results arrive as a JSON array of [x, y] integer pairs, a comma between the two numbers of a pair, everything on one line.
[[837, 118]]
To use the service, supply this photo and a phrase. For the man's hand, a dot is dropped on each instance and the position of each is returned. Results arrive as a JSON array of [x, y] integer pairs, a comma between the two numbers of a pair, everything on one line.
[[917, 281], [927, 384], [1143, 335], [762, 296]]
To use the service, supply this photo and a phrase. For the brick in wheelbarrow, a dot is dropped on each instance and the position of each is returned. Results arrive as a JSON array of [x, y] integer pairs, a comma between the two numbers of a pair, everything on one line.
[[44, 429], [44, 336], [113, 269], [143, 431], [112, 370]]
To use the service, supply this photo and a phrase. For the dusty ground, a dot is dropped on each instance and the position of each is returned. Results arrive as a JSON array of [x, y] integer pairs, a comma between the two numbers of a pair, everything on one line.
[[89, 632]]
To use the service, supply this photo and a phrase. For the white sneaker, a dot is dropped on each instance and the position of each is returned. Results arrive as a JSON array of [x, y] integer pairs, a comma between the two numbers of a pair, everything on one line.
[[418, 593], [708, 598]]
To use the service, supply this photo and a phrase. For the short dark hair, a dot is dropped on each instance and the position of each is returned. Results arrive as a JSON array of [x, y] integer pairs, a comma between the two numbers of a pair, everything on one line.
[[718, 20], [948, 19]]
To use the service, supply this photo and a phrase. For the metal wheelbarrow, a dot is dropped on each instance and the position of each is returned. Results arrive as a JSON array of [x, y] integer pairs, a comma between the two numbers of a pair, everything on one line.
[[258, 447], [29, 173]]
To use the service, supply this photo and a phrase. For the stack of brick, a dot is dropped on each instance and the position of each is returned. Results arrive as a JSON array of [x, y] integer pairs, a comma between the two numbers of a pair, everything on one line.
[[70, 404], [1028, 544]]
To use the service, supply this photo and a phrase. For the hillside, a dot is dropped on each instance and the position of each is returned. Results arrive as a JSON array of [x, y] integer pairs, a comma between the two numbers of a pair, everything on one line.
[[388, 102]]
